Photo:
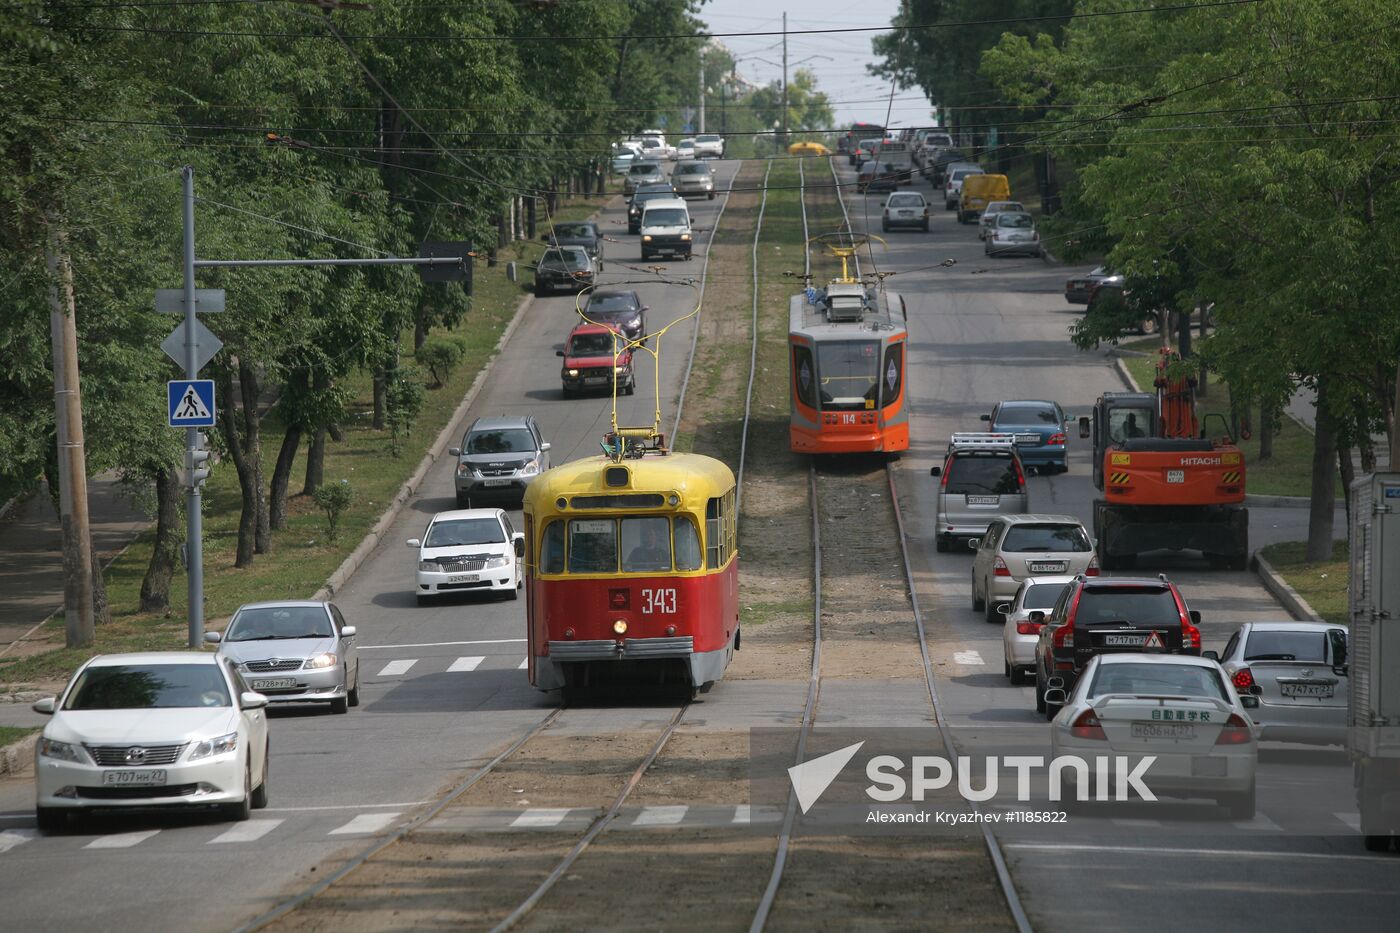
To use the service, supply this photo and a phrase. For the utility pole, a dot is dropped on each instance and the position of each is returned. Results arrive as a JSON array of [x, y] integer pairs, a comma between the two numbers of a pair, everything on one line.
[[783, 141], [702, 89], [78, 624], [194, 518]]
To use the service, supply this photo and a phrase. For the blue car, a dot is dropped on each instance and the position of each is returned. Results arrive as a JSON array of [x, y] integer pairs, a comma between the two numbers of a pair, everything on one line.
[[1044, 419]]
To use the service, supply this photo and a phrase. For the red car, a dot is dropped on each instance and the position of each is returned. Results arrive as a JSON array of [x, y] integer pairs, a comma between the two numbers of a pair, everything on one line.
[[596, 357]]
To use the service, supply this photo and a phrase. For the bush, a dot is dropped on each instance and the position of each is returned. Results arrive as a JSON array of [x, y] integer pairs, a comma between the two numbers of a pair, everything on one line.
[[333, 499], [441, 356], [404, 396]]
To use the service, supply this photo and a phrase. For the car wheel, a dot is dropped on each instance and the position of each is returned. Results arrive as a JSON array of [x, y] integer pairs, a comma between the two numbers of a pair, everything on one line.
[[1005, 667], [992, 614], [540, 290], [1018, 675], [340, 705], [239, 812], [924, 226], [423, 599], [1240, 806], [1378, 843], [986, 249], [259, 796], [463, 502], [353, 695], [645, 255], [710, 196], [53, 820], [1039, 691], [567, 392], [977, 604], [940, 544], [884, 227]]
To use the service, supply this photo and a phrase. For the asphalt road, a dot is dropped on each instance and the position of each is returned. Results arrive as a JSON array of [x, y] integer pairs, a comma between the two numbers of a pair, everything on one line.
[[338, 781]]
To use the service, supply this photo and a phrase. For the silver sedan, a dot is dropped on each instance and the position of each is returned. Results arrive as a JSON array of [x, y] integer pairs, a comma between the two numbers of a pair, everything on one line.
[[294, 652], [1298, 672], [1014, 232]]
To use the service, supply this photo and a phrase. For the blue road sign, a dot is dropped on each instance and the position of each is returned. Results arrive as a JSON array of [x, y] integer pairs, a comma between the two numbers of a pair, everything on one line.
[[191, 402], [688, 128]]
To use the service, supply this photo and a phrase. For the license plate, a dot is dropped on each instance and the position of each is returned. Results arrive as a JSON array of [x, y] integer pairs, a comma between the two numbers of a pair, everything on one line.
[[1124, 641], [1043, 566], [983, 500], [595, 380], [278, 683], [906, 213], [134, 778], [1164, 730], [464, 578], [1306, 690], [496, 482], [1027, 440], [1176, 476]]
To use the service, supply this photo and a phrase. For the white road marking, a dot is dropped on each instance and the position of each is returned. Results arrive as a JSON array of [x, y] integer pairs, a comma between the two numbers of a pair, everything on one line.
[[1190, 853], [1351, 819], [395, 668], [365, 823], [743, 814], [121, 840], [444, 644], [347, 806], [660, 816], [464, 664], [967, 657], [524, 665], [540, 816], [15, 837], [251, 831]]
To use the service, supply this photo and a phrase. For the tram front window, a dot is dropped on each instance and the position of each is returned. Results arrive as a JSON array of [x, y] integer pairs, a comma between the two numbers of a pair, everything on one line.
[[646, 544], [593, 545], [848, 373]]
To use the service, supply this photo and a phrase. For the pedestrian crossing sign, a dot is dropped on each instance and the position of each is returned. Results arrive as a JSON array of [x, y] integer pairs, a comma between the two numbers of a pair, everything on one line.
[[191, 402]]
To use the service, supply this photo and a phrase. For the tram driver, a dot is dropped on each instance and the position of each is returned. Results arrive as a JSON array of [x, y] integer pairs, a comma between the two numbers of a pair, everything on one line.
[[654, 551]]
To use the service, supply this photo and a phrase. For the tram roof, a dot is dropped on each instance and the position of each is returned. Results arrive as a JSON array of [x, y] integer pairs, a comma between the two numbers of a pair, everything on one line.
[[692, 476], [810, 318]]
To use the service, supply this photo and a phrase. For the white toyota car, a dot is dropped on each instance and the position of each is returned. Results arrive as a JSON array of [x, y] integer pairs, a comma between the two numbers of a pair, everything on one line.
[[469, 550]]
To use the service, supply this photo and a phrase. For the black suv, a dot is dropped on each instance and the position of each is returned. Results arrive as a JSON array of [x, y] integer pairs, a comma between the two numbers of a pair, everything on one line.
[[1102, 615], [639, 200]]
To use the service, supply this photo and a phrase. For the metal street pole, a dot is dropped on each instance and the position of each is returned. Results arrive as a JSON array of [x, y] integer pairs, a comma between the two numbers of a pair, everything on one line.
[[702, 89], [194, 520], [783, 141]]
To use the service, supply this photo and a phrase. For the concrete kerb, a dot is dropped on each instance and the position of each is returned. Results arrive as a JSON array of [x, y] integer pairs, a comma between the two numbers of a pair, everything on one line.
[[1296, 605], [406, 492], [17, 757]]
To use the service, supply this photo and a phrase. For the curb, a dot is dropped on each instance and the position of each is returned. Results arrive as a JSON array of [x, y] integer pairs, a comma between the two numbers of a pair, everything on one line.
[[1126, 376], [18, 756], [1296, 605], [406, 492], [1285, 502]]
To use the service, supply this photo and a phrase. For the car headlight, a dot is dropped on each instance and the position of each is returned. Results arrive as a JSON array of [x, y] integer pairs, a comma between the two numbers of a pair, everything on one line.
[[619, 369], [62, 751], [320, 662], [573, 372], [429, 566], [219, 746], [530, 468], [685, 236], [647, 238], [464, 469], [500, 561]]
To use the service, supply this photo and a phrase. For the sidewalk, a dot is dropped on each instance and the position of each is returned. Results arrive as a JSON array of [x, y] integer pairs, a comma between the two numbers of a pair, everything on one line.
[[31, 553], [1303, 408]]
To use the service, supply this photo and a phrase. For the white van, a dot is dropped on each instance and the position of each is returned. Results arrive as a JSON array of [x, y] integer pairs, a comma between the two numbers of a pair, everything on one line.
[[665, 229]]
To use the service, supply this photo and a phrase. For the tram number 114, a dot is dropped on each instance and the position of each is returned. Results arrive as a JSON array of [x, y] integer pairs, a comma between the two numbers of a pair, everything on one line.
[[659, 601]]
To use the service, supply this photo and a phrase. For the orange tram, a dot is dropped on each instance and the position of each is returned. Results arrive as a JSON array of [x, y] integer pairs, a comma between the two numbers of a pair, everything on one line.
[[848, 362], [632, 568]]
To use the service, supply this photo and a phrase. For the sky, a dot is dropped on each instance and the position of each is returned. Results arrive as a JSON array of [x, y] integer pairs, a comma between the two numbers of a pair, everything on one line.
[[841, 75]]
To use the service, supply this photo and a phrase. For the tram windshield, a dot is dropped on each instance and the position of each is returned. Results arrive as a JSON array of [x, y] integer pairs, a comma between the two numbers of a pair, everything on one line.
[[638, 544], [848, 374]]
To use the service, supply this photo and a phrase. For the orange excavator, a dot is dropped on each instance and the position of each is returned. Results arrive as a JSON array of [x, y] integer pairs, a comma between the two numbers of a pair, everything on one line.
[[1167, 483]]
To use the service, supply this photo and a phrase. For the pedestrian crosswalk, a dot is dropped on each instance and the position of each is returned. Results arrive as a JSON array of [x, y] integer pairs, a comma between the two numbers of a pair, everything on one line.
[[395, 668]]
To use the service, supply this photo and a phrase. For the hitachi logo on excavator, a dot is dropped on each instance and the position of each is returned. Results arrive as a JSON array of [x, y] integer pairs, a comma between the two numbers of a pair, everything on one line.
[[1200, 461]]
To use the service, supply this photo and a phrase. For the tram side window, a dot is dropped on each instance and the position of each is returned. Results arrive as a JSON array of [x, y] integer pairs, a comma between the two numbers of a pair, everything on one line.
[[721, 530], [552, 549], [646, 544], [804, 376], [687, 541], [893, 374], [592, 545]]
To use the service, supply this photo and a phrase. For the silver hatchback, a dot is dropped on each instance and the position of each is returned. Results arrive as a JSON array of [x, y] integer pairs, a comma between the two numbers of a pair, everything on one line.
[[296, 651], [982, 478], [1022, 547], [1298, 672]]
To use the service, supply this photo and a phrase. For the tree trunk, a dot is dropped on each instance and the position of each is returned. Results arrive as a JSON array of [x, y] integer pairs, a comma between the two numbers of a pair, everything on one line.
[[155, 586], [337, 434], [252, 435], [380, 406], [1324, 465], [248, 516], [1368, 456], [315, 463], [1266, 433], [1348, 468], [281, 476], [420, 329], [531, 220]]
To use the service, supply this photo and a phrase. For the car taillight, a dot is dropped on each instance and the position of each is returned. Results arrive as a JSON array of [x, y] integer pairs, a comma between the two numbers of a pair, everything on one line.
[[1093, 568], [999, 568], [1028, 628], [1243, 679], [1235, 732], [1063, 636], [1056, 438], [1190, 635], [1086, 726], [1020, 476]]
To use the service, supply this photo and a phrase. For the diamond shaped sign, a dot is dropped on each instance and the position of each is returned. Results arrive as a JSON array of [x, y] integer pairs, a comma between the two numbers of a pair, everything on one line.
[[206, 345]]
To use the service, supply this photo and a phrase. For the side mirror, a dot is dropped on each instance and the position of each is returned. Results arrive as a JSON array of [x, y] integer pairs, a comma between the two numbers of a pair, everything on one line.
[[1055, 696], [1084, 429], [45, 706], [558, 352], [646, 307], [1340, 670], [212, 638], [1004, 608], [454, 451], [1211, 655], [986, 418], [348, 631], [974, 543], [1249, 702], [935, 471], [252, 701], [1195, 616], [545, 446], [1038, 616], [519, 543], [414, 542]]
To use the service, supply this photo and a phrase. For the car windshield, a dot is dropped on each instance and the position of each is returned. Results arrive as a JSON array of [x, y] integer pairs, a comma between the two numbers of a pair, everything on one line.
[[994, 475], [665, 217], [575, 231], [270, 622], [564, 259], [848, 374], [644, 168], [643, 196], [612, 301], [591, 345], [686, 143], [500, 441], [457, 532], [1027, 415], [707, 139], [1015, 220], [1141, 605], [997, 207], [693, 168], [1286, 646], [1042, 595], [906, 200], [149, 686], [961, 173], [1046, 538], [1171, 680]]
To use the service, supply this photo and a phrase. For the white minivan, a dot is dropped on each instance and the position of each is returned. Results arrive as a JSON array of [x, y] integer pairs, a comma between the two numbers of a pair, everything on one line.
[[665, 229]]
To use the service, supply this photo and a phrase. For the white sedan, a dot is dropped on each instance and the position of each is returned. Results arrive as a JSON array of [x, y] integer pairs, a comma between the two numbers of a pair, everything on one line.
[[1025, 615], [1174, 708], [151, 730], [469, 550]]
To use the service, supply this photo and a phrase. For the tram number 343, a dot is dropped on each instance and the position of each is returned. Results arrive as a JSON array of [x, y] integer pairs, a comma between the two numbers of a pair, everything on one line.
[[659, 601]]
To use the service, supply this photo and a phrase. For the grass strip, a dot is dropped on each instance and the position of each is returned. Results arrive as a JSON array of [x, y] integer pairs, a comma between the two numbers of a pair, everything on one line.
[[1322, 584]]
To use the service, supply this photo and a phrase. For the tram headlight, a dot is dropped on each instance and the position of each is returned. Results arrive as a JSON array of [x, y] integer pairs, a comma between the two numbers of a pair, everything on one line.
[[620, 626]]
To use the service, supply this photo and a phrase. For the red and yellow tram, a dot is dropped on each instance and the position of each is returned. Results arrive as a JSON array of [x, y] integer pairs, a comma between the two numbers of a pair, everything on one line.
[[632, 570], [848, 365]]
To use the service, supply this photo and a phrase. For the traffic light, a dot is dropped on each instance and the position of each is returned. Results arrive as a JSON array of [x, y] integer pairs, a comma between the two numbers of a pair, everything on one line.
[[197, 460]]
